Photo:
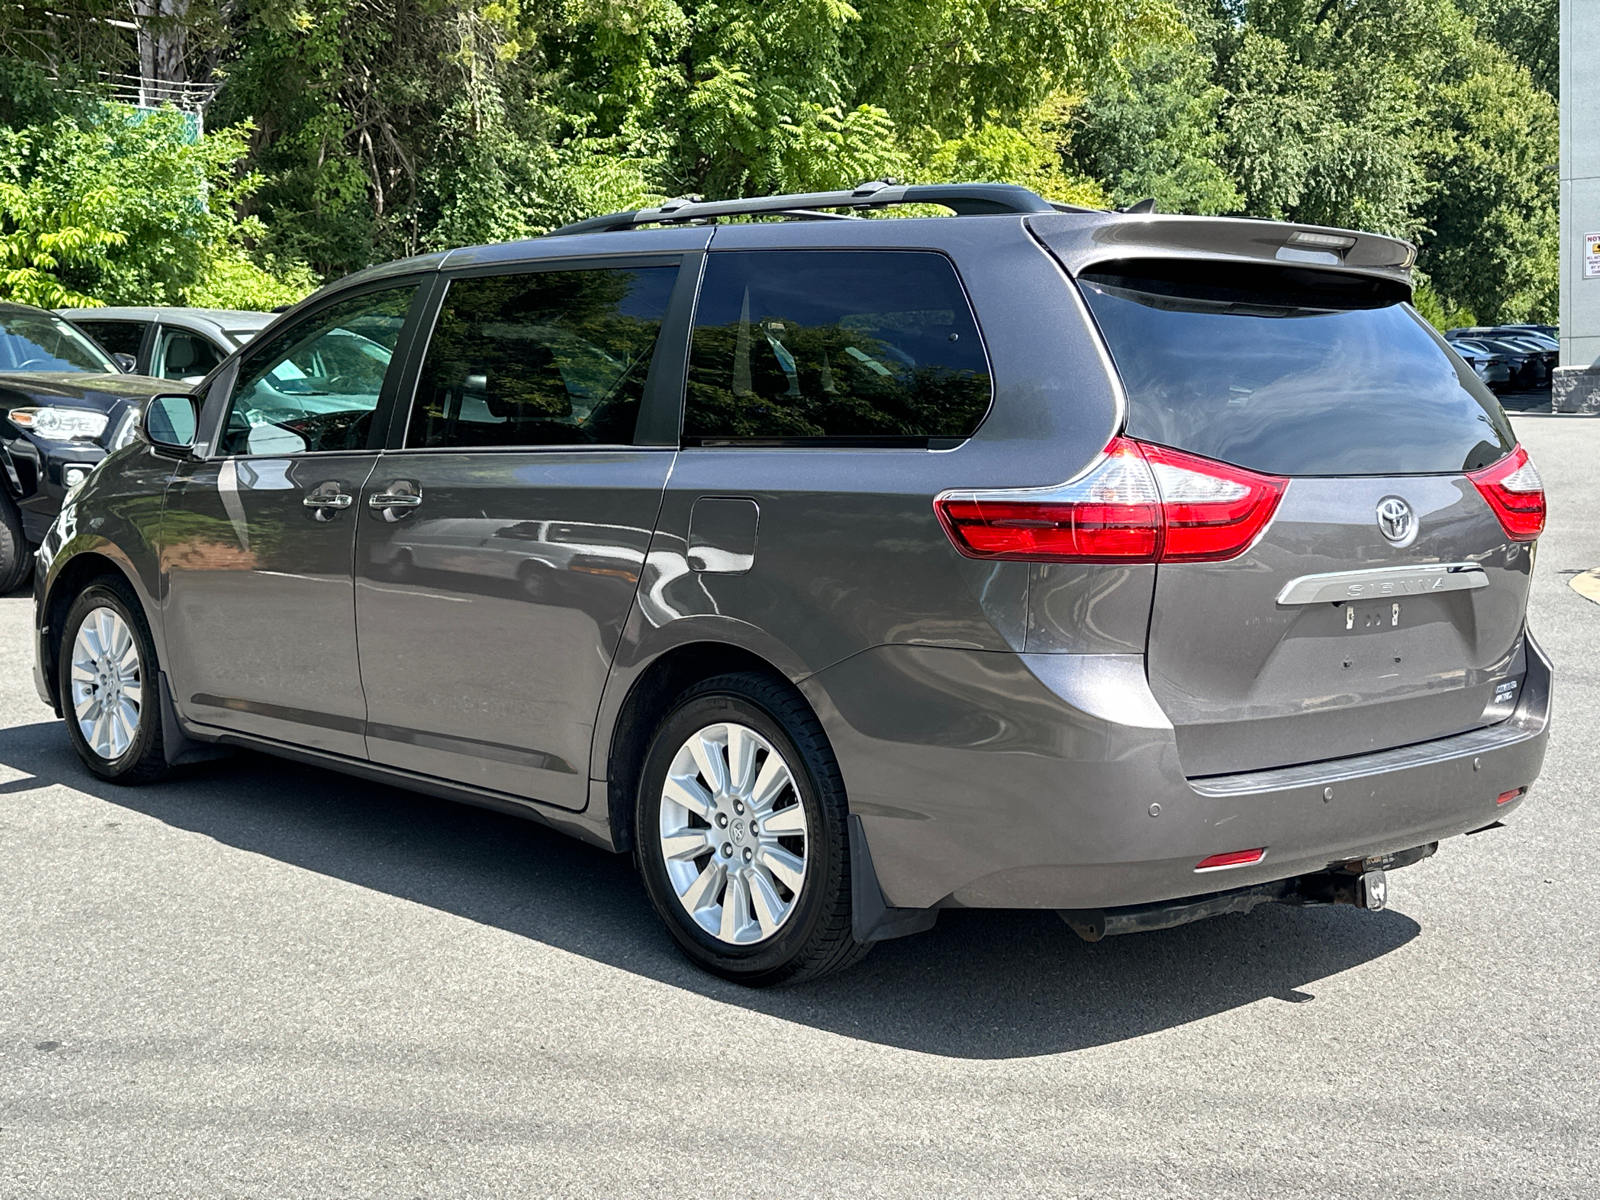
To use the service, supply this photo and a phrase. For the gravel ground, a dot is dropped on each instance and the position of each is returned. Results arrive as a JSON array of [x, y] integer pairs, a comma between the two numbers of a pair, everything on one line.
[[267, 980]]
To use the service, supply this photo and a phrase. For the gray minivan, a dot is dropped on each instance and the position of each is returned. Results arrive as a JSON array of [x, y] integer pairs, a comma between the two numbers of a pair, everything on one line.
[[1138, 567]]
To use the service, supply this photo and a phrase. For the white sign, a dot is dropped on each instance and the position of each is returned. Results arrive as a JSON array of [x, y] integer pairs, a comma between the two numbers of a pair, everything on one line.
[[1591, 256]]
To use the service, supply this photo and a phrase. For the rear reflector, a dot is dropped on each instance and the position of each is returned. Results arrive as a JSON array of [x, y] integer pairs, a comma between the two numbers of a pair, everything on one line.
[[1516, 493], [1137, 503], [1234, 858], [1508, 797]]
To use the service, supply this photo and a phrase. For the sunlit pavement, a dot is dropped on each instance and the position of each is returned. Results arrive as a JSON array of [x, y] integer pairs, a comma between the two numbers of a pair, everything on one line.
[[265, 980]]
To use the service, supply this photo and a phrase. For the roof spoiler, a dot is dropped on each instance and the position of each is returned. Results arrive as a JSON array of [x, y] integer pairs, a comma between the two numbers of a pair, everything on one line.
[[1079, 245]]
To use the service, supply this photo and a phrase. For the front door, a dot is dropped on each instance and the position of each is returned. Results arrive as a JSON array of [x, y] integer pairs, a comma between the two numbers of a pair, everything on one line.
[[499, 551], [258, 541]]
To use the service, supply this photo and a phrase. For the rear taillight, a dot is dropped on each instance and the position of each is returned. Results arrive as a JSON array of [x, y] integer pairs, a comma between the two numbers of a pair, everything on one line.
[[1138, 503], [1516, 493]]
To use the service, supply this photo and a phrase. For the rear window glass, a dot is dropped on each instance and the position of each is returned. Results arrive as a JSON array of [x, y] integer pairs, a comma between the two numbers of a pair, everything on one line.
[[1292, 372], [873, 347], [119, 337]]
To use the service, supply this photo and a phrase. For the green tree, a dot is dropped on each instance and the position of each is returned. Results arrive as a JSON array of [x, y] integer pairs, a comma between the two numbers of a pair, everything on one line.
[[1157, 136], [1529, 31], [128, 207], [1492, 213]]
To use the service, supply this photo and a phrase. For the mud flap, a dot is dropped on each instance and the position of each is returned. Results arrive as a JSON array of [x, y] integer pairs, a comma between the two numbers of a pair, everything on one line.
[[871, 918], [178, 747]]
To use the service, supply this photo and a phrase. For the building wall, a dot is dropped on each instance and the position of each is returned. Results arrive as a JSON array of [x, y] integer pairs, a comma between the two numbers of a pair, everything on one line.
[[1577, 383]]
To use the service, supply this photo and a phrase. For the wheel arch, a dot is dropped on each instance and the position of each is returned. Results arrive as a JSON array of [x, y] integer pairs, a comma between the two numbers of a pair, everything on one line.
[[62, 588], [621, 746]]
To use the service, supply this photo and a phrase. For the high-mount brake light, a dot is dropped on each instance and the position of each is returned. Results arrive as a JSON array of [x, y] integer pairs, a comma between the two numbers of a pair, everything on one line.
[[1138, 504], [1516, 493]]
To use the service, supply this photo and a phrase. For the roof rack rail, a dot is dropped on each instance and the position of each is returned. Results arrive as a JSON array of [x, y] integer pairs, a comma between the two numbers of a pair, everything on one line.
[[967, 199]]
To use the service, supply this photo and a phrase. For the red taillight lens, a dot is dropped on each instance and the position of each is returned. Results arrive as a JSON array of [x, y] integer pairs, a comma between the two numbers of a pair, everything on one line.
[[1508, 797], [1234, 858], [1213, 510], [1139, 503], [1516, 493], [1112, 514]]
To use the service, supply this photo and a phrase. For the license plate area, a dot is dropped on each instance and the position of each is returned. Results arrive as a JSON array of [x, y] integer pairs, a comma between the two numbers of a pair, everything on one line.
[[1371, 617]]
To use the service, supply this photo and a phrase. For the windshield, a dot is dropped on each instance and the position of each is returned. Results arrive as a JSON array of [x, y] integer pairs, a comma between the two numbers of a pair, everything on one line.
[[40, 341], [1292, 381]]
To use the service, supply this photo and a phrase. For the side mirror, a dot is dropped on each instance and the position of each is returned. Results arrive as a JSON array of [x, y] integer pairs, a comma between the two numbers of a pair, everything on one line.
[[127, 362], [169, 422]]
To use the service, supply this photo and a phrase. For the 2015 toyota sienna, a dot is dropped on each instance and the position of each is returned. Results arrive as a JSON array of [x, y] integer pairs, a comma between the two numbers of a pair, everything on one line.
[[845, 570]]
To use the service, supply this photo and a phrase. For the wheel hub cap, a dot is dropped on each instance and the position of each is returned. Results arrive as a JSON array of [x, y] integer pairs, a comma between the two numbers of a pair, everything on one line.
[[107, 683], [733, 833]]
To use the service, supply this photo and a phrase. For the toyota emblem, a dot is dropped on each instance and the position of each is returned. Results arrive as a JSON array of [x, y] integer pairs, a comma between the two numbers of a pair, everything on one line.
[[1396, 521]]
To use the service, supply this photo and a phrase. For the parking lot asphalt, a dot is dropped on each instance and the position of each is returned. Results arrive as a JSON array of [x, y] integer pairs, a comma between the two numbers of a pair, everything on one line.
[[265, 980]]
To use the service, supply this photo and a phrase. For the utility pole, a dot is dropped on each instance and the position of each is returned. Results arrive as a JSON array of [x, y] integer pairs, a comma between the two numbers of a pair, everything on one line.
[[163, 61]]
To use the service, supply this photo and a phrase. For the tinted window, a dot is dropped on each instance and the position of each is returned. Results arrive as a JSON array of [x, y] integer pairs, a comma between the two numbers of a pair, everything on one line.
[[315, 384], [1276, 372], [184, 355], [39, 341], [543, 359], [116, 337], [862, 346]]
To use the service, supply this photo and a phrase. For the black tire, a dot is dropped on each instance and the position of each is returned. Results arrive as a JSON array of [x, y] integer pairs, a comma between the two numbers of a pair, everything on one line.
[[16, 556], [535, 580], [144, 759], [815, 938]]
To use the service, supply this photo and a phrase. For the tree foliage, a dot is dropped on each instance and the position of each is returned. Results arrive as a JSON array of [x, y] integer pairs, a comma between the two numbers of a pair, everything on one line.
[[122, 206], [345, 132], [1426, 119]]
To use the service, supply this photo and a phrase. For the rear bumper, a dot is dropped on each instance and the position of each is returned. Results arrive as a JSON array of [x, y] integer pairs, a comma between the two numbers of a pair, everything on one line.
[[994, 780]]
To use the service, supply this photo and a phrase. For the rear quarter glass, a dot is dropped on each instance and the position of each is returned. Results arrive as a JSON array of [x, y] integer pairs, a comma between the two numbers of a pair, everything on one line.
[[1271, 370], [874, 347]]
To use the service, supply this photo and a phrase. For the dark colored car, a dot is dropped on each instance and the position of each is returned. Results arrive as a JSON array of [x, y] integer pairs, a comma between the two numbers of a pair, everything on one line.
[[1533, 350], [63, 403], [1142, 568], [1492, 368], [1525, 364], [179, 344]]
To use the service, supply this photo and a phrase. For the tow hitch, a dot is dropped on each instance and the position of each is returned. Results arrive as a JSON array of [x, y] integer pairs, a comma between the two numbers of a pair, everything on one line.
[[1359, 882]]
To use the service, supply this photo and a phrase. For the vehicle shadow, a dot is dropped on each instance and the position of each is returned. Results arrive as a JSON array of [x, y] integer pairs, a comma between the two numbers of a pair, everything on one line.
[[981, 984]]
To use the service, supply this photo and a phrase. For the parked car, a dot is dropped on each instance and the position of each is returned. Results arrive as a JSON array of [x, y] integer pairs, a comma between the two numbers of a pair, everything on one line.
[[1003, 560], [1550, 331], [1539, 341], [181, 344], [63, 403], [1540, 361], [1493, 369], [1526, 363]]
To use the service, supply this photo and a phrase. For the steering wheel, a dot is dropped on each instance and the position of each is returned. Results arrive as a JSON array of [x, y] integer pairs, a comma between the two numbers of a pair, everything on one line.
[[26, 364]]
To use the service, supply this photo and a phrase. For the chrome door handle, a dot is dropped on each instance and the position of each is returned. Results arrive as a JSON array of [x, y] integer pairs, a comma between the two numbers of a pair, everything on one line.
[[392, 500], [336, 500]]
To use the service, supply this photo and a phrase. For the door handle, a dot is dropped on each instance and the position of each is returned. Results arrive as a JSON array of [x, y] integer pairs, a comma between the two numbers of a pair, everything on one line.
[[392, 500], [326, 500]]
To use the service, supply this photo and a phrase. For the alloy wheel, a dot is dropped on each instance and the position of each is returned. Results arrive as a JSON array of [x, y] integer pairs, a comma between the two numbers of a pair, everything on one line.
[[733, 833], [107, 683]]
